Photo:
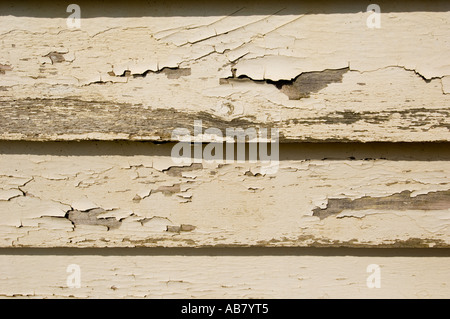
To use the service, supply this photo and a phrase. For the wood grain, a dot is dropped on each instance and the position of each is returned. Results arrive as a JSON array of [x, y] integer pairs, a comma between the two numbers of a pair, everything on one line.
[[87, 122], [313, 70]]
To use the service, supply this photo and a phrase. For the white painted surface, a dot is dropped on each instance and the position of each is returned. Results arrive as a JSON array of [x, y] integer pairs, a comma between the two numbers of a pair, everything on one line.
[[65, 84], [387, 195], [177, 276], [134, 72]]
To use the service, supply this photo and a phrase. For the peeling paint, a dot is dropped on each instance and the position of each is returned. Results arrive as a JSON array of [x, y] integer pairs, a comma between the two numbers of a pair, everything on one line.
[[129, 194], [91, 217], [439, 200], [56, 57], [302, 85], [4, 68], [270, 65], [157, 67], [179, 170]]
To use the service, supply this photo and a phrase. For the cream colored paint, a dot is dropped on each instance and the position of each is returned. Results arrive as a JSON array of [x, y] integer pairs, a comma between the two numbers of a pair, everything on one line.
[[397, 75], [222, 276], [62, 84], [227, 205]]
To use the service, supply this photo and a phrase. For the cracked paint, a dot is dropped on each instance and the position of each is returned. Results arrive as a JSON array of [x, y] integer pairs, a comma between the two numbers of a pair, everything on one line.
[[91, 217], [303, 52], [317, 76], [302, 85], [235, 273], [86, 126], [128, 194], [56, 57]]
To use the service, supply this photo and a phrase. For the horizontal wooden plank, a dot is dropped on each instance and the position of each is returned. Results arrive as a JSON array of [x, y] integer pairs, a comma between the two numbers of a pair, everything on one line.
[[133, 195], [26, 275], [315, 71]]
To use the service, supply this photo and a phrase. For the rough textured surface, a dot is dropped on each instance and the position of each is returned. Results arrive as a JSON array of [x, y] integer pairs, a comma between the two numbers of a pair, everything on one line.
[[314, 70], [116, 194], [211, 274], [363, 176]]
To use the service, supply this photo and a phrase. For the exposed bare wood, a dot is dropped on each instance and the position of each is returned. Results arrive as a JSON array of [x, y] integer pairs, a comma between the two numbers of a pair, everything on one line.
[[134, 195], [89, 123], [316, 73]]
